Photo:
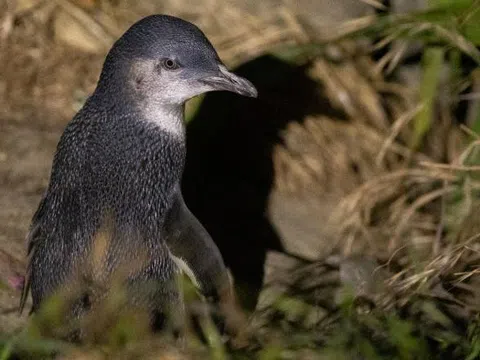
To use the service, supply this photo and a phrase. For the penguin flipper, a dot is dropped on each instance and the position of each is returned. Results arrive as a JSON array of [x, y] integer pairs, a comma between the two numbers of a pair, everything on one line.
[[26, 285], [192, 246], [33, 236]]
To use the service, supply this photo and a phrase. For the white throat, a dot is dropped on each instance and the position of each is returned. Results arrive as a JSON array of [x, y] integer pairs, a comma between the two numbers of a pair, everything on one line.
[[169, 120]]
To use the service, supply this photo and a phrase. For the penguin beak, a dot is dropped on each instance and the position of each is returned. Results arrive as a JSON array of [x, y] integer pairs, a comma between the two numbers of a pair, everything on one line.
[[228, 81]]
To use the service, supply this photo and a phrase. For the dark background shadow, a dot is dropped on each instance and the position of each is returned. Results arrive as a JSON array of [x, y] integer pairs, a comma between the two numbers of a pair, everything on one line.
[[229, 171]]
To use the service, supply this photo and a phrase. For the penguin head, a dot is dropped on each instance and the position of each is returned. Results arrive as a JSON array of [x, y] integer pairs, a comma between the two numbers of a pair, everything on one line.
[[166, 60]]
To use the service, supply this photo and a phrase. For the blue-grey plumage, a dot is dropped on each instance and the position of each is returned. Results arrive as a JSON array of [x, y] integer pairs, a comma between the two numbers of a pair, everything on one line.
[[116, 174]]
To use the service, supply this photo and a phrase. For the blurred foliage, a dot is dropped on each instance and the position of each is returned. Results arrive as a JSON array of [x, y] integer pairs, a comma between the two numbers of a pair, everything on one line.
[[353, 334]]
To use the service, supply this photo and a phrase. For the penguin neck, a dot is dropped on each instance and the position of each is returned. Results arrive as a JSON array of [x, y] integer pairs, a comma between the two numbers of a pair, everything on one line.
[[167, 118]]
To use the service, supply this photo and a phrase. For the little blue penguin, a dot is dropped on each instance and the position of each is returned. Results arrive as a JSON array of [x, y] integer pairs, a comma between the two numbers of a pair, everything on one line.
[[114, 200]]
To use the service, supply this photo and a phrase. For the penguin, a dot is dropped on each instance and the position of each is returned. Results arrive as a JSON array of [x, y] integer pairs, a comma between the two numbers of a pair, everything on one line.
[[114, 201]]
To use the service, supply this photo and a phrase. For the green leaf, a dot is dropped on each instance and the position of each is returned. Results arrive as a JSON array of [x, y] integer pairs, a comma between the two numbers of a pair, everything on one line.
[[6, 351], [192, 106], [450, 4], [432, 66], [476, 85], [270, 353], [297, 54]]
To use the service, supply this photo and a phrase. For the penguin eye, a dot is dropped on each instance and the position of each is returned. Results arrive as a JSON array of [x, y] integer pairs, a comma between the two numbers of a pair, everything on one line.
[[170, 64]]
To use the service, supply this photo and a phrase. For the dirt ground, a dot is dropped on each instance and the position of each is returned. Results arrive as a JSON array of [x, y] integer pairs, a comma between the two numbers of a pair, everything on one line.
[[26, 155]]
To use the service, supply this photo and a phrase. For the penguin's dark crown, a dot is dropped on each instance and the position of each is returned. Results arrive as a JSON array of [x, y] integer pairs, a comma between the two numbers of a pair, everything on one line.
[[165, 35]]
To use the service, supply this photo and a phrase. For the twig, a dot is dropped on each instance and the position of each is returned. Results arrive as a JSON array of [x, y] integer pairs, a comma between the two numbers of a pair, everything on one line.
[[441, 224], [417, 204], [375, 3], [450, 166], [469, 131], [397, 126]]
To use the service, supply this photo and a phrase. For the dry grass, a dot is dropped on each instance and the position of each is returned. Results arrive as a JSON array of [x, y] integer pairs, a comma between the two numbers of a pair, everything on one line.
[[412, 212]]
